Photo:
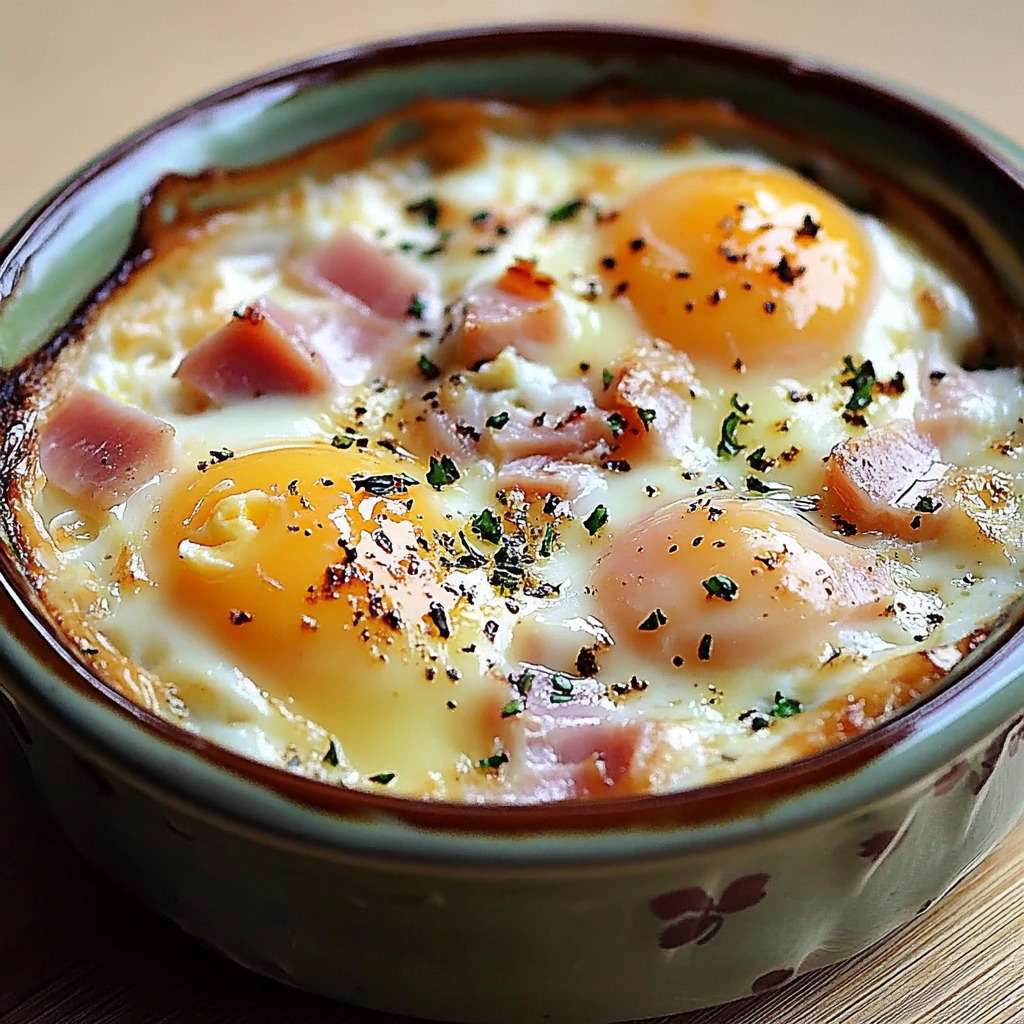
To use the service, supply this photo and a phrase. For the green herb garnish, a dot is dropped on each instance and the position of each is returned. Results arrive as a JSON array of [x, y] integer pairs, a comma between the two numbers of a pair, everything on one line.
[[486, 526], [646, 416], [430, 370], [342, 441], [547, 544], [596, 520], [493, 762], [729, 445], [566, 211], [416, 308], [523, 682], [512, 708], [383, 484], [861, 381], [442, 472], [926, 503], [383, 778], [561, 690], [498, 420], [721, 586], [617, 423], [756, 460], [429, 209], [784, 707]]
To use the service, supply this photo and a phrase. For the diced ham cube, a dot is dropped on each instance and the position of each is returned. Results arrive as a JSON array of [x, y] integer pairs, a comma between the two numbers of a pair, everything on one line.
[[570, 434], [889, 480], [519, 310], [561, 422], [384, 282], [570, 742], [539, 475], [652, 392], [261, 351], [101, 451]]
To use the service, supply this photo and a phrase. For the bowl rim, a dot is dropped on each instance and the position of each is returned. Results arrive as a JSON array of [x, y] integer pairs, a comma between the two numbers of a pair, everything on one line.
[[716, 802]]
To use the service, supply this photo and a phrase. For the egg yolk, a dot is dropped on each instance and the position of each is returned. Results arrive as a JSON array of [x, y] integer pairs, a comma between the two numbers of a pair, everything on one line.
[[732, 582], [312, 567], [729, 264]]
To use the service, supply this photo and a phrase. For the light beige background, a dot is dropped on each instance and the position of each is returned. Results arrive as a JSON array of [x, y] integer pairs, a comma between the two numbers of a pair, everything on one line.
[[77, 74]]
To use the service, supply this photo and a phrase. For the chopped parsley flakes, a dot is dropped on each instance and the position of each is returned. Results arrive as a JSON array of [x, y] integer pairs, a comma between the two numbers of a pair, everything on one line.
[[523, 682], [729, 444], [430, 370], [383, 484], [428, 208], [756, 460], [784, 707], [494, 762], [416, 307], [861, 382], [566, 211], [617, 422], [561, 690], [486, 526], [442, 472], [597, 519], [547, 545], [721, 586], [497, 421]]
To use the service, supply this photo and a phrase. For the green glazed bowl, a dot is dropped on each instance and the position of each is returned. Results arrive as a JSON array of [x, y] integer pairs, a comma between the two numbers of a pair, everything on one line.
[[589, 912]]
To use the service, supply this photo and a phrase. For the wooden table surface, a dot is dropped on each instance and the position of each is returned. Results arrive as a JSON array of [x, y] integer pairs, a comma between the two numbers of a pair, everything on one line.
[[75, 76]]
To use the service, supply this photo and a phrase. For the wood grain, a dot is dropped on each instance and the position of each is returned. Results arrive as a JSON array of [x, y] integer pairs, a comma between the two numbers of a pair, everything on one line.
[[75, 76], [74, 950]]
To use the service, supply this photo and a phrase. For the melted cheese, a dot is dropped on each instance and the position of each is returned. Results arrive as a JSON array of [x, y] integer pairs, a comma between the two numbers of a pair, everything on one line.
[[435, 711]]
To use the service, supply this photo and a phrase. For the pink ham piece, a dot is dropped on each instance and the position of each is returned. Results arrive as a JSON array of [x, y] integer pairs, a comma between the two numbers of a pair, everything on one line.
[[261, 351], [539, 476], [566, 427], [571, 433], [884, 480], [101, 451], [380, 280], [518, 311], [575, 745], [659, 381]]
